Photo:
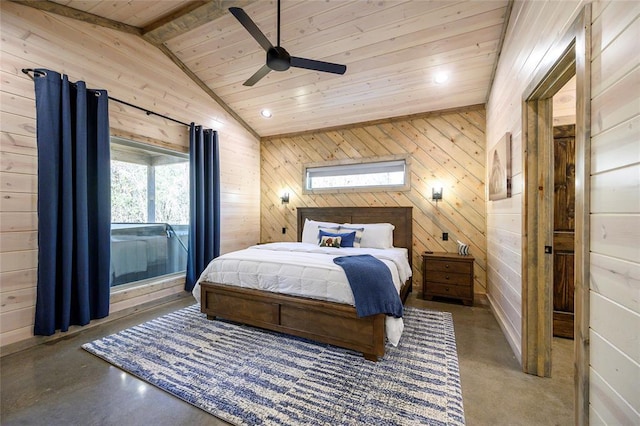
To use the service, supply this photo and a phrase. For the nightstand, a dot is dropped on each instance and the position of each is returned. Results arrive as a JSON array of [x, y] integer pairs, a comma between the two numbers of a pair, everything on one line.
[[447, 275]]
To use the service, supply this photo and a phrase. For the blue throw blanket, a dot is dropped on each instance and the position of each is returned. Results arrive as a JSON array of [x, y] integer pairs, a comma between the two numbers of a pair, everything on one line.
[[372, 285]]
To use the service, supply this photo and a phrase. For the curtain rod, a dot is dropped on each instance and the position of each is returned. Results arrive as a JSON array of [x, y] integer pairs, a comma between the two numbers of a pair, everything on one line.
[[148, 112]]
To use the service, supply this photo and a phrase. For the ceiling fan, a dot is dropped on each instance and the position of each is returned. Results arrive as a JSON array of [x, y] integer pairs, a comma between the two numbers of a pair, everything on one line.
[[278, 59]]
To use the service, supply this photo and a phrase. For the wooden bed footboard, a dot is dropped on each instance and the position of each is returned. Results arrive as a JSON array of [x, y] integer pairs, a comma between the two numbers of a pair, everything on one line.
[[327, 322]]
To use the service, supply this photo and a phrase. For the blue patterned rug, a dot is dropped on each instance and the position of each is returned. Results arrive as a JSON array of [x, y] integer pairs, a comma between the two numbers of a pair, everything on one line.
[[248, 376]]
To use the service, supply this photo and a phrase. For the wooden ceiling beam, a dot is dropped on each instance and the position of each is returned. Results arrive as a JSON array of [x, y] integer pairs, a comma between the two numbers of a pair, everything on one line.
[[503, 34], [70, 12], [206, 88], [191, 16]]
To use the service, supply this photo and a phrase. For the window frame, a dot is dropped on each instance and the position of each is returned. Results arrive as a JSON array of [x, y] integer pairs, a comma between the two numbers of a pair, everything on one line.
[[159, 282], [130, 158], [351, 162]]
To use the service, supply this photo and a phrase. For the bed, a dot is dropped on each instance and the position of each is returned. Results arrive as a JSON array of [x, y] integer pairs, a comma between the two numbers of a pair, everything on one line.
[[320, 320]]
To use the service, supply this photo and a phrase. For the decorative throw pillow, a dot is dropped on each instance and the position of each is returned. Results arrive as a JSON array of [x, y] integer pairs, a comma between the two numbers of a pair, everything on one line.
[[310, 230], [330, 229], [346, 240], [329, 241], [358, 231]]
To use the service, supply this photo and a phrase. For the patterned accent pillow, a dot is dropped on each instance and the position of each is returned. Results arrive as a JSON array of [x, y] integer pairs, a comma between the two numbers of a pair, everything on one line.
[[326, 230], [359, 231], [346, 238], [330, 241], [310, 230]]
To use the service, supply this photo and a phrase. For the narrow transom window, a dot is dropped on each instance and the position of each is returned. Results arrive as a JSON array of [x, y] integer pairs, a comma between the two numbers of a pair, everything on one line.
[[390, 174]]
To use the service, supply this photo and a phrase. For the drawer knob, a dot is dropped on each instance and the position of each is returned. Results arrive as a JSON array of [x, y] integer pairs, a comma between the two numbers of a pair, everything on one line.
[[446, 277], [446, 266]]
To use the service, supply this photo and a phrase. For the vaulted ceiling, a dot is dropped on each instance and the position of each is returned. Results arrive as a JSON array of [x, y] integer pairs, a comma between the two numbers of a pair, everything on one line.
[[393, 51]]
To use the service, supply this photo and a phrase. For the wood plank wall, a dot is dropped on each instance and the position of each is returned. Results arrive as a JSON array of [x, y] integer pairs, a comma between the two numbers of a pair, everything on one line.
[[131, 70], [533, 27], [615, 214], [446, 146], [615, 191]]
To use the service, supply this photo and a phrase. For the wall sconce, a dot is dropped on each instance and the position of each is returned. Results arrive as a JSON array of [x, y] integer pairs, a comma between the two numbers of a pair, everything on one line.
[[284, 197], [436, 193]]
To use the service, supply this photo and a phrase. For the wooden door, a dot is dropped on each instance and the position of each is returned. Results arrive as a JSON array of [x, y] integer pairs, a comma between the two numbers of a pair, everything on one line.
[[563, 230]]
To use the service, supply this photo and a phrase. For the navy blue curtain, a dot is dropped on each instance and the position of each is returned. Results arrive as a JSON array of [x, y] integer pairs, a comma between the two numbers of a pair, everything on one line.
[[204, 224], [74, 205]]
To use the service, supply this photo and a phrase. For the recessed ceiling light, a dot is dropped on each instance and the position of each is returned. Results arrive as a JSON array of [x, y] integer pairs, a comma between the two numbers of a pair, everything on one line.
[[441, 78], [266, 113]]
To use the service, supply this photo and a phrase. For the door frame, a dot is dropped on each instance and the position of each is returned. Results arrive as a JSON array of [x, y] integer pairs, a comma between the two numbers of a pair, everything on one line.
[[568, 56]]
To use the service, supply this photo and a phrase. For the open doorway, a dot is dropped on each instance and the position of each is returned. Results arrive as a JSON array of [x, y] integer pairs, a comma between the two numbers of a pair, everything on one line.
[[569, 58], [563, 240], [564, 190]]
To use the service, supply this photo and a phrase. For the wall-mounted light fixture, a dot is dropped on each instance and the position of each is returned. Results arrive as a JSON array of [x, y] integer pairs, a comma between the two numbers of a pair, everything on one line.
[[436, 193], [284, 197]]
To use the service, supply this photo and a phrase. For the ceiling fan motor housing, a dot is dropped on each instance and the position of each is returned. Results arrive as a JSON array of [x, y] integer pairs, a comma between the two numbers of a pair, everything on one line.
[[278, 59]]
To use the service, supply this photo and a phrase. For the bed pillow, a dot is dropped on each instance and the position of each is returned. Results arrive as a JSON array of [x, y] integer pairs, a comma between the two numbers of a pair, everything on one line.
[[310, 230], [357, 241], [329, 241], [334, 229], [375, 235], [330, 230], [346, 239]]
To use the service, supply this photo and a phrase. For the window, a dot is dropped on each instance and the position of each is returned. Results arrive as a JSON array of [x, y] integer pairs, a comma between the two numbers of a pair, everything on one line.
[[365, 176], [149, 211]]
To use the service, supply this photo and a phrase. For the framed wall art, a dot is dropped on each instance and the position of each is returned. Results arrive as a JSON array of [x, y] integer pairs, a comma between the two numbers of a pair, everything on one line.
[[500, 169]]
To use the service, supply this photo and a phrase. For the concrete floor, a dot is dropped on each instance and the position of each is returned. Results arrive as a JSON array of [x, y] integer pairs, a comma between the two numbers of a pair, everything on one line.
[[61, 384]]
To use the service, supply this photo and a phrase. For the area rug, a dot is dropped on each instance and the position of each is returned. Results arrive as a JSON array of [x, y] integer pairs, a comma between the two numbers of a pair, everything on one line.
[[248, 376]]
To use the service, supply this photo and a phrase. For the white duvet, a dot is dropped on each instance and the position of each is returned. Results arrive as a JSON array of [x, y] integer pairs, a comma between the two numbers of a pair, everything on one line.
[[302, 269]]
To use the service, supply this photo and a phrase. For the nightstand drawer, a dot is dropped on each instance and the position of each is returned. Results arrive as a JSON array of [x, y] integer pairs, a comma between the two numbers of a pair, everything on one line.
[[445, 290], [446, 266], [450, 278], [447, 275]]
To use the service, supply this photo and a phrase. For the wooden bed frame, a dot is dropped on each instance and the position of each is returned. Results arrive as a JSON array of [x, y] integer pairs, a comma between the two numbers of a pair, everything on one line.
[[327, 322]]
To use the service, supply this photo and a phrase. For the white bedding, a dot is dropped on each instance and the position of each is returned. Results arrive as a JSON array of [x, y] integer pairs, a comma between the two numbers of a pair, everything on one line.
[[303, 269]]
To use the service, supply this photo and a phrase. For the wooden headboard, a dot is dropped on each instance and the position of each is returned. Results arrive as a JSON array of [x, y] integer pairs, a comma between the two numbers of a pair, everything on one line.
[[400, 217]]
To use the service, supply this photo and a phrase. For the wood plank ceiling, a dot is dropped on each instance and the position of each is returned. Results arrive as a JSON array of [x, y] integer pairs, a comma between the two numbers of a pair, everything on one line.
[[392, 49]]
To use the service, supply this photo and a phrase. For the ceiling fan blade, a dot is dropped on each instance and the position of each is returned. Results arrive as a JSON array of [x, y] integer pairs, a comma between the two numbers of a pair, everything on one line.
[[251, 27], [311, 64], [257, 76]]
